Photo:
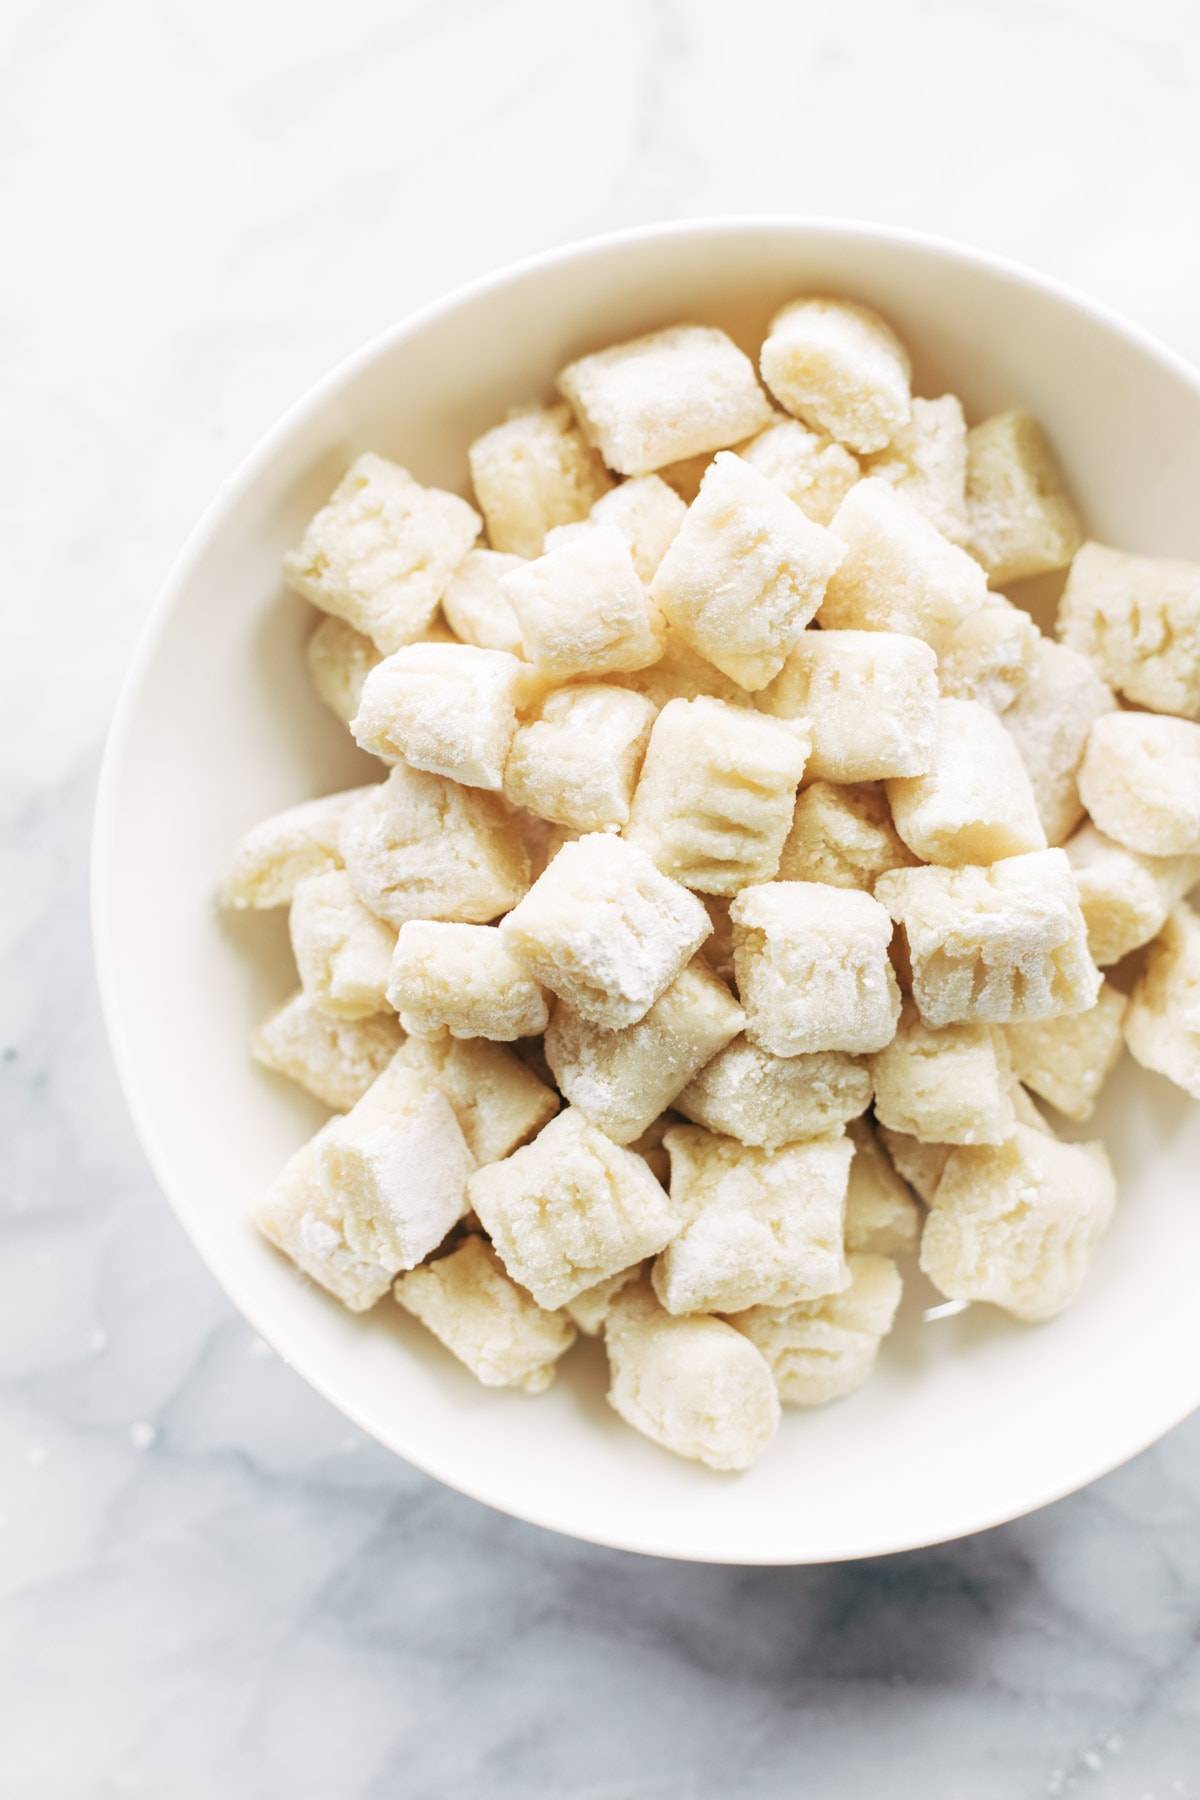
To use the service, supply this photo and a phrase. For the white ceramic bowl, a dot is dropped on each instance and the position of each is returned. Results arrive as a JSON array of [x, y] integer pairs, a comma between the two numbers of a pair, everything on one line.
[[970, 1420]]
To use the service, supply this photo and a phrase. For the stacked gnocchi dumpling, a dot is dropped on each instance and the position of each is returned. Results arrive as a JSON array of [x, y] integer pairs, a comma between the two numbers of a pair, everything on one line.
[[744, 862]]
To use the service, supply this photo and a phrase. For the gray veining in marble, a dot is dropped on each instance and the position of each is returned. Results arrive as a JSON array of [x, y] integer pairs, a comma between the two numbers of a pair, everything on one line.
[[209, 1584]]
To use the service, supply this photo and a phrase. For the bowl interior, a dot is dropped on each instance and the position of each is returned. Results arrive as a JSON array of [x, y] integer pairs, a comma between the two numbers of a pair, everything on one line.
[[970, 1419]]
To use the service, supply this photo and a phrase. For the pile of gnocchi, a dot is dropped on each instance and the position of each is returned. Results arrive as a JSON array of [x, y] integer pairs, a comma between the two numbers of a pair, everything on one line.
[[746, 864]]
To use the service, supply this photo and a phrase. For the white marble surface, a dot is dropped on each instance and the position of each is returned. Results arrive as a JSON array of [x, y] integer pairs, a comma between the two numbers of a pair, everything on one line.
[[209, 1584]]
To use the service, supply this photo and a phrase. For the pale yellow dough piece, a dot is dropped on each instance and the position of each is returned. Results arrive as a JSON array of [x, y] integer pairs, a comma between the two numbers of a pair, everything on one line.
[[1137, 618], [1016, 1225], [976, 804], [945, 1086], [927, 462], [1162, 1026], [765, 1101], [477, 611], [696, 1386], [882, 1217], [1067, 1061], [339, 660], [812, 968], [590, 1310], [994, 944], [645, 511], [499, 1102], [421, 847], [570, 1209], [898, 573], [1125, 896], [920, 1165], [301, 1217], [757, 1227], [841, 368], [660, 398], [342, 951], [335, 1059], [991, 655], [1050, 719], [1140, 780], [808, 465], [533, 472], [745, 572], [679, 674], [450, 709], [381, 553], [604, 930], [469, 1304], [823, 1350], [622, 1080], [843, 837], [869, 698], [462, 979], [397, 1166], [1020, 518], [577, 762], [582, 609], [274, 857], [716, 794]]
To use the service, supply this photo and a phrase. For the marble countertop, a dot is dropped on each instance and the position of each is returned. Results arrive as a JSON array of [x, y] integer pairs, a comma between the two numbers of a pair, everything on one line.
[[209, 1583]]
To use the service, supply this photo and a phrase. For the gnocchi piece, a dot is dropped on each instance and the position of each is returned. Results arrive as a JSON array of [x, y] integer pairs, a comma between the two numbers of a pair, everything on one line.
[[991, 655], [622, 1080], [696, 1386], [808, 465], [1140, 780], [581, 608], [578, 761], [976, 803], [949, 1085], [758, 1227], [397, 1166], [1067, 1061], [839, 367], [476, 609], [882, 1218], [716, 794], [589, 1311], [823, 1350], [919, 1165], [767, 1101], [927, 462], [842, 837], [1137, 619], [812, 968], [469, 1304], [571, 1209], [335, 1059], [745, 572], [604, 930], [533, 472], [421, 847], [462, 979], [1162, 1026], [342, 951], [381, 552], [645, 511], [301, 1217], [1049, 720], [450, 709], [898, 573], [679, 674], [274, 857], [660, 398], [1016, 1223], [1020, 518], [499, 1102], [994, 944], [869, 698], [339, 660], [1125, 897]]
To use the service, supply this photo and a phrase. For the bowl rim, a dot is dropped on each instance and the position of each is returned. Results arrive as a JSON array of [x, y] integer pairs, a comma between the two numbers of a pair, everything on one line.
[[179, 572]]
